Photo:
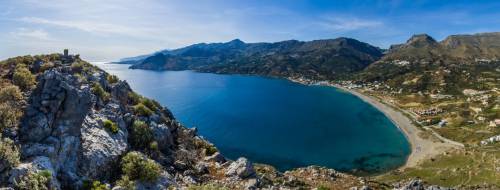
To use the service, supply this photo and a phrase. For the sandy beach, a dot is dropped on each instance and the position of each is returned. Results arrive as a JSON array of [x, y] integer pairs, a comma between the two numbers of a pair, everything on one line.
[[422, 149]]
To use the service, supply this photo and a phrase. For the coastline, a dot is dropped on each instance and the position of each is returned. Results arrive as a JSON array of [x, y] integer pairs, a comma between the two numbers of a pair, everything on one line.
[[421, 148]]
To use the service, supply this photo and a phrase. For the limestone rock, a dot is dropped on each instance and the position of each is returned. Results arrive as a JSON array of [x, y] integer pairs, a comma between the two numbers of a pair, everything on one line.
[[163, 136], [163, 182], [241, 168], [100, 147], [216, 157], [37, 164]]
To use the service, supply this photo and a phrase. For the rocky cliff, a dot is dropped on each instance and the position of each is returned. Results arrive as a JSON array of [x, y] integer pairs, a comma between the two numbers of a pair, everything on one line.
[[69, 125]]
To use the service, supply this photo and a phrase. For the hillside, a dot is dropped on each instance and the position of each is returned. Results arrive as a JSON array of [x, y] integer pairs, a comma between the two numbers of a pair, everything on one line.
[[66, 124], [321, 59], [423, 64]]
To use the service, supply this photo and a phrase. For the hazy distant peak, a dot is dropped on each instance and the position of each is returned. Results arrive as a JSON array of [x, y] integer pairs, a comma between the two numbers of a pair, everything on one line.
[[236, 41]]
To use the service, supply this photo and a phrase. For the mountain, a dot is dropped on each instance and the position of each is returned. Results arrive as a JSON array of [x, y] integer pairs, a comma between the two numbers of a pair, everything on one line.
[[454, 48], [315, 59], [423, 64]]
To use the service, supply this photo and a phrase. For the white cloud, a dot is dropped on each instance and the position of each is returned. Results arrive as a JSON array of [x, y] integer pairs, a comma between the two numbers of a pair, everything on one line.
[[90, 26], [37, 34], [349, 24]]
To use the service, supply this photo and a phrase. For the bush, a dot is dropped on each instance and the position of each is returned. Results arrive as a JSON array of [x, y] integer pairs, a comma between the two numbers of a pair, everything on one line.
[[151, 104], [9, 154], [112, 79], [94, 185], [100, 92], [141, 135], [134, 98], [126, 183], [25, 60], [9, 111], [9, 115], [321, 187], [142, 110], [111, 126], [36, 181], [80, 67], [137, 166], [209, 148], [10, 93], [206, 187], [23, 78], [46, 66]]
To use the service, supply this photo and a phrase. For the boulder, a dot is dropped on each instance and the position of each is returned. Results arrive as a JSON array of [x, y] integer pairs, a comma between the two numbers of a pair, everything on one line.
[[101, 149], [216, 157], [163, 136], [241, 168], [120, 91]]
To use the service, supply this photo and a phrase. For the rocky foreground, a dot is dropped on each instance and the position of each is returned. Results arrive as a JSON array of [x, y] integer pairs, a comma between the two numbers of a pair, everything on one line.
[[66, 124]]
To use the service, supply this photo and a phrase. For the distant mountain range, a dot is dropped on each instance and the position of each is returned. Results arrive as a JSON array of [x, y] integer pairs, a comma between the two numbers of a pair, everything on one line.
[[341, 58], [316, 59]]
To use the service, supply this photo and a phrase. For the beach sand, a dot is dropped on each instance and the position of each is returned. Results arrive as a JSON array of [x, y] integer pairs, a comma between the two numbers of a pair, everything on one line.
[[422, 148]]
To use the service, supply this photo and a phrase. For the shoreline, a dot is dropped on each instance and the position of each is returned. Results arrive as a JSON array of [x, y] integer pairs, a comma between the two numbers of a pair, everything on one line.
[[421, 148]]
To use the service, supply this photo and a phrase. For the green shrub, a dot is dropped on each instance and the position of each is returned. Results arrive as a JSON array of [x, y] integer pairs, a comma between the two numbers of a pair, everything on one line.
[[321, 187], [142, 110], [46, 66], [25, 60], [80, 67], [153, 146], [134, 98], [141, 135], [111, 126], [35, 181], [80, 77], [9, 111], [137, 166], [126, 183], [100, 92], [151, 104], [206, 187], [10, 93], [9, 115], [23, 78], [9, 154], [209, 148], [112, 79], [94, 185]]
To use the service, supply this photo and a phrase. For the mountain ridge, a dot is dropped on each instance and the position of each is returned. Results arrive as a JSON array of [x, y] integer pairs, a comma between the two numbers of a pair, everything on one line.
[[317, 58]]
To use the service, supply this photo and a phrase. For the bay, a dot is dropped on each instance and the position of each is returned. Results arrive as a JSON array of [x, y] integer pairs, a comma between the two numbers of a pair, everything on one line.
[[275, 121]]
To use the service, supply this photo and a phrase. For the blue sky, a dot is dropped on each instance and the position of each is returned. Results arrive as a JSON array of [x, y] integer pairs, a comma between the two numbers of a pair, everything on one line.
[[104, 30]]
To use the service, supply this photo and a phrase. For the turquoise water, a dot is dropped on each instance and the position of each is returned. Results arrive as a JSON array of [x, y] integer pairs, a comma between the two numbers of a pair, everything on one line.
[[274, 121]]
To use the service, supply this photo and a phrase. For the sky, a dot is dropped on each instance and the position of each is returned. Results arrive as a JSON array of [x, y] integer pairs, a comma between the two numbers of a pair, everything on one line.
[[107, 30]]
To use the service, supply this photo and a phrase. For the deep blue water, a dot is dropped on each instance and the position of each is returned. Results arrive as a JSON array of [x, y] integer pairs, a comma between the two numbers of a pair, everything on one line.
[[275, 121]]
